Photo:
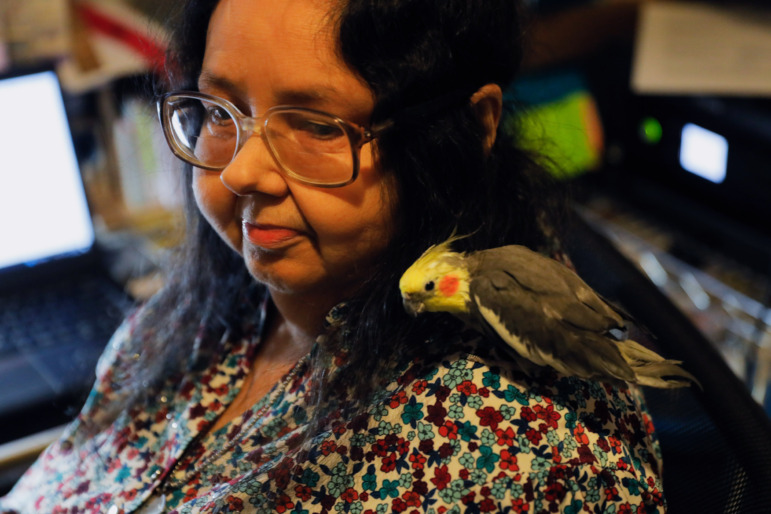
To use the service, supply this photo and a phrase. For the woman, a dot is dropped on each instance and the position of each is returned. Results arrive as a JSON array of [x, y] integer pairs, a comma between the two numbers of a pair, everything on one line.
[[278, 371]]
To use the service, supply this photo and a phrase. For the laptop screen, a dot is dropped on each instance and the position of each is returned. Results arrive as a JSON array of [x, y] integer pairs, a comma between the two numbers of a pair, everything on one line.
[[43, 209]]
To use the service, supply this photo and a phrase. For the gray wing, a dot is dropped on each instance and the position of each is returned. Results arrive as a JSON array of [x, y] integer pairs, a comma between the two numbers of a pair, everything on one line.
[[560, 291], [546, 313]]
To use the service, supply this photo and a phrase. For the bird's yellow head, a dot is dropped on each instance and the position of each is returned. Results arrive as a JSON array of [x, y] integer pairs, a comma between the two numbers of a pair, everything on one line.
[[437, 282]]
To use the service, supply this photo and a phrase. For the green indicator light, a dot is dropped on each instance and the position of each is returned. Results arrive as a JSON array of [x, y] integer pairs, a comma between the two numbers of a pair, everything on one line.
[[651, 131]]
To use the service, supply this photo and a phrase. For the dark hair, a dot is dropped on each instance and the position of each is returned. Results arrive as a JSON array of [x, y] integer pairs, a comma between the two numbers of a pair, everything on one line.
[[408, 52]]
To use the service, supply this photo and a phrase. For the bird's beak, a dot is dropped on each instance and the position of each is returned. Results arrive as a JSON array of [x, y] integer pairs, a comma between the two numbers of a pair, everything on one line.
[[412, 305]]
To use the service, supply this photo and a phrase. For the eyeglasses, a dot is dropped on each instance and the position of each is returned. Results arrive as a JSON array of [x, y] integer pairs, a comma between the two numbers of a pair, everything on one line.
[[310, 146]]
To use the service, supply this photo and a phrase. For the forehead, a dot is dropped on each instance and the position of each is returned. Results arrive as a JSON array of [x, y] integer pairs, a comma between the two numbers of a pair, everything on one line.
[[263, 20], [274, 45]]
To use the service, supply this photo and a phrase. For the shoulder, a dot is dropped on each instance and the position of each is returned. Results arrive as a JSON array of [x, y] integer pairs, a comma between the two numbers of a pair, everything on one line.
[[471, 429]]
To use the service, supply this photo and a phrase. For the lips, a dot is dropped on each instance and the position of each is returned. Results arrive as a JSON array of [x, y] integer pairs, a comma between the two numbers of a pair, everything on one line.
[[269, 236]]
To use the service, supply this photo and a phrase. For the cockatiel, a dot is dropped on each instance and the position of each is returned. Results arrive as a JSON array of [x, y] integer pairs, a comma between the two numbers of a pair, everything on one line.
[[540, 308]]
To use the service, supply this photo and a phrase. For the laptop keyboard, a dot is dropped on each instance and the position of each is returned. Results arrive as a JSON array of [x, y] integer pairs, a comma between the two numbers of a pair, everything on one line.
[[86, 310]]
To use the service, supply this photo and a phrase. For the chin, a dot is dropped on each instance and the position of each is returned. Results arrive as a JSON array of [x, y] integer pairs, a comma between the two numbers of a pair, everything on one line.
[[283, 277]]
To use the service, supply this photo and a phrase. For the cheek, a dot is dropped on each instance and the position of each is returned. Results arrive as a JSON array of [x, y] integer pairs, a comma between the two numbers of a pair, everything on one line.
[[217, 205], [205, 196], [357, 226], [351, 224], [449, 285]]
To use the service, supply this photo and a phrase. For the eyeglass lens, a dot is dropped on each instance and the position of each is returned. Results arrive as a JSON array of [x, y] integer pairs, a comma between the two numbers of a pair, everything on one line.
[[308, 145]]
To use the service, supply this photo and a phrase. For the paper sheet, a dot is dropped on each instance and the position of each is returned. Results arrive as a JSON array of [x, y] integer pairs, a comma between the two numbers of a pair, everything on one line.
[[697, 48]]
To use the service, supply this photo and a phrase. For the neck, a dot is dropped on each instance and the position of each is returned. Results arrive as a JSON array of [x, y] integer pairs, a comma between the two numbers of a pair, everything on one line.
[[299, 319]]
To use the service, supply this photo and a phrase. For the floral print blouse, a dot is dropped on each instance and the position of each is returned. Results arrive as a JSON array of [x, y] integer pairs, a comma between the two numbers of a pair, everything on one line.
[[468, 432]]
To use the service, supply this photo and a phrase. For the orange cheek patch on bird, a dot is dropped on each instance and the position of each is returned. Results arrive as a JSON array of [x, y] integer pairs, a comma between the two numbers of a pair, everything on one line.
[[448, 285]]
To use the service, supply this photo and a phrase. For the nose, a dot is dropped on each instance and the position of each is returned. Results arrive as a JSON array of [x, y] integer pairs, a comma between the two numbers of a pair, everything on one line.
[[253, 170]]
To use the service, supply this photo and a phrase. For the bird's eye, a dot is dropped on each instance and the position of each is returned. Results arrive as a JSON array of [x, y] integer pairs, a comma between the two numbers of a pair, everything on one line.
[[430, 286]]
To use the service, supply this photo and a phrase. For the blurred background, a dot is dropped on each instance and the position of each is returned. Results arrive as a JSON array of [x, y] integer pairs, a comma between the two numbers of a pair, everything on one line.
[[655, 115], [658, 116]]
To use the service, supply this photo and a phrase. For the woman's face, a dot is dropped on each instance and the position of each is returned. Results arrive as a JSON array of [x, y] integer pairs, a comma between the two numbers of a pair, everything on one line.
[[295, 238]]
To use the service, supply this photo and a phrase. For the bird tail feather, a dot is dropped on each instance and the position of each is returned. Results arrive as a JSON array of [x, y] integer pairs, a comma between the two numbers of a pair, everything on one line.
[[651, 368], [634, 353]]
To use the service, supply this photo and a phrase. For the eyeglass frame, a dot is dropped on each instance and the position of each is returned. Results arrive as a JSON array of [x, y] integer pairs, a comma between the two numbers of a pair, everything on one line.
[[247, 126], [416, 111]]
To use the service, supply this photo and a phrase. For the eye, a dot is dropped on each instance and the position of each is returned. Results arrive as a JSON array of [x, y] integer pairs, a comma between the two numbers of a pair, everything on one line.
[[430, 286], [218, 116], [321, 130]]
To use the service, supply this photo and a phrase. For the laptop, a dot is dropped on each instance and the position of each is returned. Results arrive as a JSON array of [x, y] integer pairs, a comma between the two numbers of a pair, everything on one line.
[[58, 305]]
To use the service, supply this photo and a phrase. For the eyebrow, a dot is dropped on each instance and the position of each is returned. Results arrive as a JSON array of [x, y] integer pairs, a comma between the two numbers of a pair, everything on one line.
[[305, 97], [300, 97], [208, 80]]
